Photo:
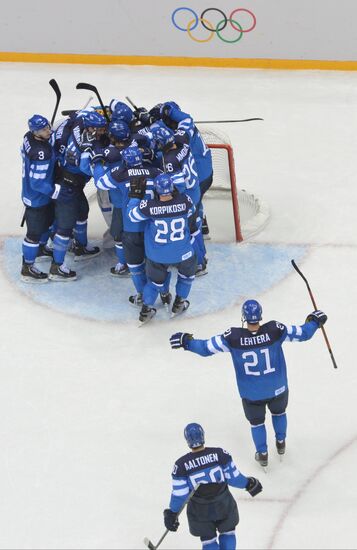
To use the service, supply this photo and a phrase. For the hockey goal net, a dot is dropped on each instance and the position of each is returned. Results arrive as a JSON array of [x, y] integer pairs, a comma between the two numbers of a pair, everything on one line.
[[232, 213]]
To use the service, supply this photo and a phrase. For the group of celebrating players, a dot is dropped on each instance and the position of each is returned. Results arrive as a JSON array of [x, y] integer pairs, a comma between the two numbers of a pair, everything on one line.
[[151, 169]]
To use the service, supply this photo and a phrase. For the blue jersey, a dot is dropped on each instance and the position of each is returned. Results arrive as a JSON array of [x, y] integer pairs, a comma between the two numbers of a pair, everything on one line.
[[38, 165], [117, 182], [212, 467], [167, 234], [62, 133], [257, 357], [202, 154], [179, 163]]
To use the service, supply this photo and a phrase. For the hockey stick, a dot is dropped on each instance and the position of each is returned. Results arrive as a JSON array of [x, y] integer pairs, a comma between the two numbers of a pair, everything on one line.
[[57, 91], [315, 306], [204, 121], [91, 88], [72, 111], [131, 103], [225, 121], [148, 542]]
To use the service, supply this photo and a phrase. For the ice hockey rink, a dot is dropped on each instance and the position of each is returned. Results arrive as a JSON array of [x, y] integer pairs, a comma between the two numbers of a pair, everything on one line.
[[92, 409]]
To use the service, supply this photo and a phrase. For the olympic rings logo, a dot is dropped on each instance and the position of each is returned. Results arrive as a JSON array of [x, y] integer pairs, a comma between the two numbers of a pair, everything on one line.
[[213, 29]]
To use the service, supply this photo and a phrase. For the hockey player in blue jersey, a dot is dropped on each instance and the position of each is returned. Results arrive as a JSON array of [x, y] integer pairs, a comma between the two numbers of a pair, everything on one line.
[[177, 158], [72, 206], [260, 367], [38, 190], [104, 159], [180, 121], [119, 181], [208, 472], [167, 243]]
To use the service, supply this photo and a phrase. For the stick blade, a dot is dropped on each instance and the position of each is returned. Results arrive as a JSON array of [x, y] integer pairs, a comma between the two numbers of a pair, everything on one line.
[[86, 86], [55, 87], [149, 544]]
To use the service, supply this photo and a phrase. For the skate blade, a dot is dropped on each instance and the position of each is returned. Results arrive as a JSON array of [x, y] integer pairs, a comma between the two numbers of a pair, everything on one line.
[[173, 315], [87, 257], [59, 279], [30, 280], [124, 276], [146, 321], [201, 273]]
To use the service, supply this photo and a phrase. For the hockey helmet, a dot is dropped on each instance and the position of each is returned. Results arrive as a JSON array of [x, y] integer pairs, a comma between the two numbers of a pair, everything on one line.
[[194, 435]]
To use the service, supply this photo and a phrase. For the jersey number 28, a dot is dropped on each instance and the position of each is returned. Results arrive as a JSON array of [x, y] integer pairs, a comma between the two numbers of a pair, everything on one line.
[[173, 231]]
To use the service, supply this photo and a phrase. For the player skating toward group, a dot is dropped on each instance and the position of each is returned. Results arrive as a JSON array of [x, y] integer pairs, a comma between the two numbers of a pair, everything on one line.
[[260, 367], [201, 480]]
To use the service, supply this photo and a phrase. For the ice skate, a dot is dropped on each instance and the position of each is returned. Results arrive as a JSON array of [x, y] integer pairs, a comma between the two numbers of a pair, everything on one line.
[[280, 447], [201, 269], [61, 273], [30, 274], [262, 458], [166, 298], [180, 305], [82, 252], [120, 270], [146, 314], [44, 253], [136, 299]]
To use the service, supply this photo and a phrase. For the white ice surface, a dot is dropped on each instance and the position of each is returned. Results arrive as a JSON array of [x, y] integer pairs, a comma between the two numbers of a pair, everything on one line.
[[92, 412]]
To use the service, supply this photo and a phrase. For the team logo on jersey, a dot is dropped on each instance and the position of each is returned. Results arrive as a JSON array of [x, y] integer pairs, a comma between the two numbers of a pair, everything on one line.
[[216, 23]]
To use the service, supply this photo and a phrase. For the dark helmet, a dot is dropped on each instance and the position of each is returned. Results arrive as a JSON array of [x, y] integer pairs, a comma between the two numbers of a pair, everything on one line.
[[119, 129], [37, 122], [252, 311], [132, 157], [163, 184], [194, 435]]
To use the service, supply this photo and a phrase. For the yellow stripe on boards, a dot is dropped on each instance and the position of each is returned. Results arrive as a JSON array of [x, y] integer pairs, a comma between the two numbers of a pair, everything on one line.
[[291, 64]]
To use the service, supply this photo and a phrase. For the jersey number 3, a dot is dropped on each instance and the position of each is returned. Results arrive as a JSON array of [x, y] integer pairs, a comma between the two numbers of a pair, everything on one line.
[[261, 360]]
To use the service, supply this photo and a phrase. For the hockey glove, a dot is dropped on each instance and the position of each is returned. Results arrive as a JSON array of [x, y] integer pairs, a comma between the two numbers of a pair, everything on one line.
[[87, 140], [166, 109], [318, 316], [98, 157], [170, 520], [180, 340], [143, 115], [72, 158], [137, 187], [253, 486]]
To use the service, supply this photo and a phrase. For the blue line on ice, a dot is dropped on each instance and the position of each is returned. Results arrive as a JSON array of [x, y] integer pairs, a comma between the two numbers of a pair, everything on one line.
[[235, 272]]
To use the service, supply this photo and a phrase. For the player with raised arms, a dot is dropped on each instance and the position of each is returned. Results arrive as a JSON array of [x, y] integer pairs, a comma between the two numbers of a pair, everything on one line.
[[260, 367]]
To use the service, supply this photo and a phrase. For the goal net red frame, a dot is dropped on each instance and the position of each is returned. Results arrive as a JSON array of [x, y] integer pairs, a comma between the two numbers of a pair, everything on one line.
[[233, 185]]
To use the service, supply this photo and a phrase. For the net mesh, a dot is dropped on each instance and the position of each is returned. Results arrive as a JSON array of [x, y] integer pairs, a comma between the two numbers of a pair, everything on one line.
[[253, 212]]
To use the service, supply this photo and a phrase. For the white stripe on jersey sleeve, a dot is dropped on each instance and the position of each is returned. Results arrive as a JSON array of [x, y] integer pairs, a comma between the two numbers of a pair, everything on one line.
[[178, 178], [292, 332], [176, 482], [104, 183], [135, 216], [216, 345], [180, 492], [37, 176]]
